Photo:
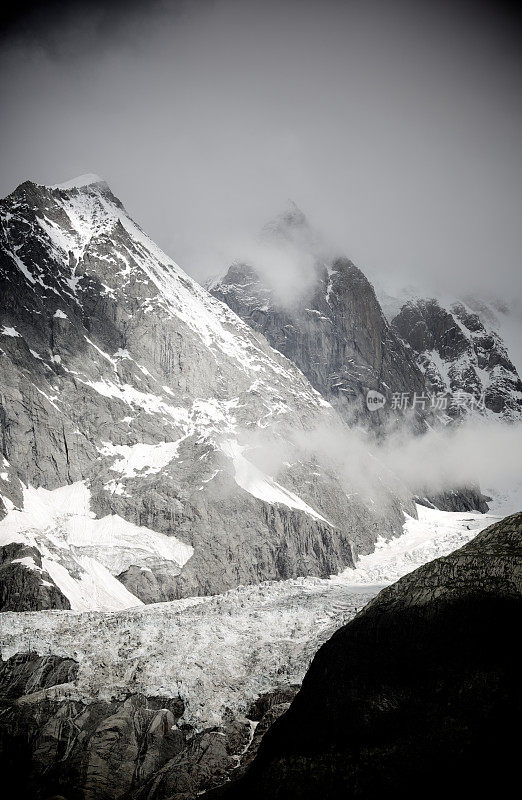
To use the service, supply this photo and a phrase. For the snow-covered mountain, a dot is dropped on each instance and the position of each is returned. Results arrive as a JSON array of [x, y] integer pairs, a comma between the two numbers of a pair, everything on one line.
[[433, 360], [154, 446], [462, 355], [328, 321]]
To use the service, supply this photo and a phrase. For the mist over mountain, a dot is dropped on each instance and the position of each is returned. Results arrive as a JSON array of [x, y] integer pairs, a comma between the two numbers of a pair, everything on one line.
[[396, 128]]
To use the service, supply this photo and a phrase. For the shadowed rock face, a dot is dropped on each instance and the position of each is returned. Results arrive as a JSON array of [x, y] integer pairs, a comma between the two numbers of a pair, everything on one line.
[[136, 749], [465, 499], [23, 589], [335, 332], [414, 698], [25, 673]]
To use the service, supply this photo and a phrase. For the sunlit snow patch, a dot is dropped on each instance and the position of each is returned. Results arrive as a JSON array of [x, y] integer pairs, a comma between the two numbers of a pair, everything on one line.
[[82, 554], [7, 331], [434, 534], [147, 459], [257, 483]]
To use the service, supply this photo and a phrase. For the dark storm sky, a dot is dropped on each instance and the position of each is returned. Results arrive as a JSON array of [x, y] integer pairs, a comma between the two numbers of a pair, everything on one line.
[[396, 126]]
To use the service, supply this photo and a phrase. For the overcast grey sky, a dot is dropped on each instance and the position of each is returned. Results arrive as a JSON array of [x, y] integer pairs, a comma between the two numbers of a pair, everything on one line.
[[395, 126]]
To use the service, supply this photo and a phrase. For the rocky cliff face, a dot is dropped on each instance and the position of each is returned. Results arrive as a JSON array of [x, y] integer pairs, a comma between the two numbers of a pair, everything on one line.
[[329, 323], [433, 361], [152, 442], [24, 584], [416, 694], [462, 358]]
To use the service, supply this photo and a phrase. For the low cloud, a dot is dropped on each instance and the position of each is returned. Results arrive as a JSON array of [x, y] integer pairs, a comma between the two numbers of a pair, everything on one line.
[[485, 453], [476, 453]]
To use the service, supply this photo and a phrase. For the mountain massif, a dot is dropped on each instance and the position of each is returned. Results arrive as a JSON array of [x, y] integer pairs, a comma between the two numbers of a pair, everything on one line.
[[182, 472], [330, 324], [430, 363], [154, 446]]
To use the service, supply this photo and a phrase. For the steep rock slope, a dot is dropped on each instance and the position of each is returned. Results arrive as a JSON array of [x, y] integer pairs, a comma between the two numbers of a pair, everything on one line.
[[462, 356], [149, 437], [417, 695], [329, 322]]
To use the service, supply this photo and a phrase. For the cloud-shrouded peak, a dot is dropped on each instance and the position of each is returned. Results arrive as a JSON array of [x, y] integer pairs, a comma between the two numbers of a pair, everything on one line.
[[291, 221]]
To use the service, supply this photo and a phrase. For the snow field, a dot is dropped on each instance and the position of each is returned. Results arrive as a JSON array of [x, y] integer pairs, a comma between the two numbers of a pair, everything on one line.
[[83, 554]]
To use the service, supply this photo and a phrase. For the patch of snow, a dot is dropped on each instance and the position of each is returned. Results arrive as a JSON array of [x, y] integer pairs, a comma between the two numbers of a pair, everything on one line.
[[23, 269], [435, 533], [82, 554], [59, 314], [147, 459], [118, 544], [95, 589], [12, 332], [257, 483], [50, 399], [151, 403], [104, 355], [61, 240], [27, 561], [116, 487]]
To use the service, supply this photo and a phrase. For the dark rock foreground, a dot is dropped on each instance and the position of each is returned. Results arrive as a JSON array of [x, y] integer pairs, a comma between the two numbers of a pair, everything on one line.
[[418, 696]]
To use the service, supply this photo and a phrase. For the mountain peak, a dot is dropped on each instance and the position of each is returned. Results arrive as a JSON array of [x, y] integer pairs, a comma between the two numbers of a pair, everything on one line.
[[289, 221], [77, 190], [80, 182], [293, 215]]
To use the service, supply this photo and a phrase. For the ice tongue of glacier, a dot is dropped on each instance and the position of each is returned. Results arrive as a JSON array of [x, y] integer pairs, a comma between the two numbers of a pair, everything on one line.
[[219, 653]]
